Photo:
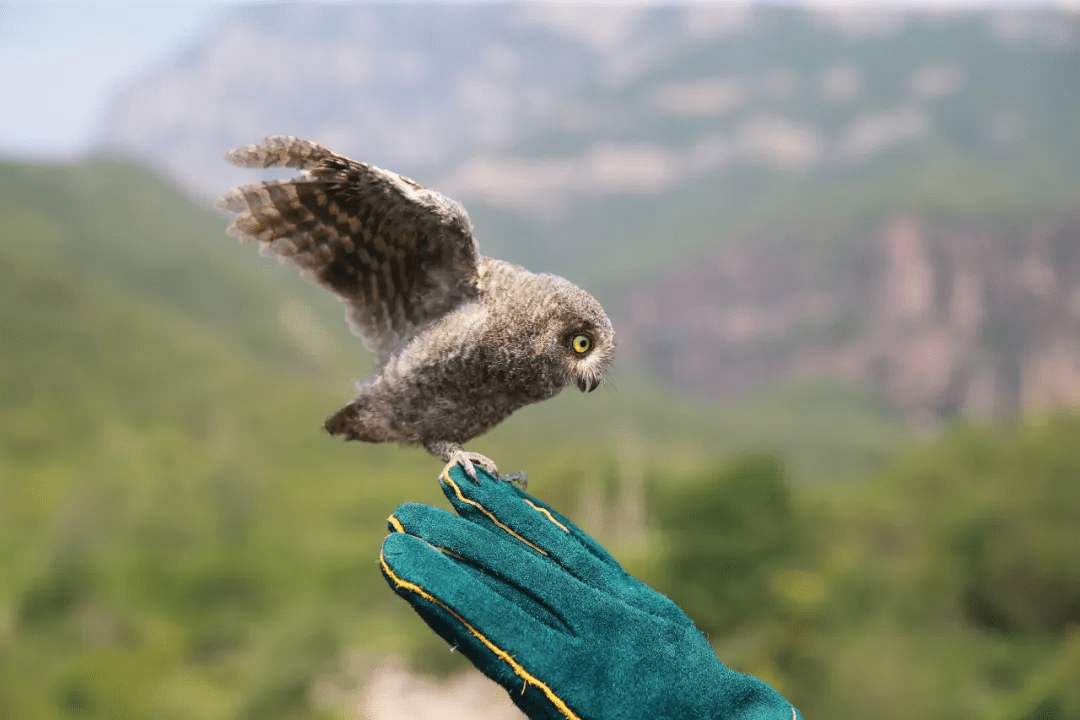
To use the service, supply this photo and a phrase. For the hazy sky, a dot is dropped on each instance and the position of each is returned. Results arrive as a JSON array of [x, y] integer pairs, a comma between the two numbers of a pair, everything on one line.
[[61, 60]]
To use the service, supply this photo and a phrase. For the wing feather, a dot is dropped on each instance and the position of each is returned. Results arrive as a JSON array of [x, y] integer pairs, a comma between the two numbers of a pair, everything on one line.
[[396, 253]]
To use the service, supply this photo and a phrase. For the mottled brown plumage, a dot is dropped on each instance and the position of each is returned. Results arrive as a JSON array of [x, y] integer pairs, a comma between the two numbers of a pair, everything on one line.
[[461, 340]]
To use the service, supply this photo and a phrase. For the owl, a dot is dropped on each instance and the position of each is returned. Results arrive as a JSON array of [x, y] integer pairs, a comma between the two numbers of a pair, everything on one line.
[[460, 340]]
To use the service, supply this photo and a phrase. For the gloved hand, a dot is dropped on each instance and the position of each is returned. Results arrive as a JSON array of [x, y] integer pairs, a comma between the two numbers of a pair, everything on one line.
[[540, 608]]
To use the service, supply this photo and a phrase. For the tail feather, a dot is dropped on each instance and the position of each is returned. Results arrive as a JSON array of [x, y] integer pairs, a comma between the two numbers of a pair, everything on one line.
[[359, 421]]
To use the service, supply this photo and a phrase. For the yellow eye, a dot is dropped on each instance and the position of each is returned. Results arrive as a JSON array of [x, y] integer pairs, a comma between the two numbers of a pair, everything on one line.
[[581, 344]]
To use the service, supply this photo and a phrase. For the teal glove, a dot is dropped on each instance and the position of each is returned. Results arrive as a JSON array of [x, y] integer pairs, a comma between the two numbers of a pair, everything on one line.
[[540, 608]]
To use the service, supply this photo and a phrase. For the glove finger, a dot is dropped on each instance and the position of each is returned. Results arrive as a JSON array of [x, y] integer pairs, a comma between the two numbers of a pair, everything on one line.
[[631, 590], [498, 637], [502, 506], [417, 570], [580, 535], [543, 589]]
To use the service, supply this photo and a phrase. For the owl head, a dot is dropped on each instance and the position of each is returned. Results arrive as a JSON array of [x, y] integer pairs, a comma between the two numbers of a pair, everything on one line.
[[579, 338]]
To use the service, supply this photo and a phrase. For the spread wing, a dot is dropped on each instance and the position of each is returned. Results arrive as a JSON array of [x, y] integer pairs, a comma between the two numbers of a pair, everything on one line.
[[396, 253]]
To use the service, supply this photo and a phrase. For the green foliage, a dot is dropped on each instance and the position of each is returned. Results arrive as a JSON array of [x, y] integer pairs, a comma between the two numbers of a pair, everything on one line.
[[726, 535], [963, 554], [1019, 551], [944, 587], [151, 534], [178, 539]]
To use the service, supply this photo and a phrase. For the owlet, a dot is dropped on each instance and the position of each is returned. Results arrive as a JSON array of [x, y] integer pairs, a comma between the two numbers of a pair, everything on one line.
[[461, 340]]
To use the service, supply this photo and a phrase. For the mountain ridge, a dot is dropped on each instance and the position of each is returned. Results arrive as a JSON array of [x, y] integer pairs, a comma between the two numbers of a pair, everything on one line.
[[618, 145]]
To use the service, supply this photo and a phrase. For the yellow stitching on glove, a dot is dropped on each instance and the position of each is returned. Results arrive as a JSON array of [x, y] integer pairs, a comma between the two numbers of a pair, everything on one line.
[[490, 516], [547, 514], [398, 527], [499, 652], [444, 551]]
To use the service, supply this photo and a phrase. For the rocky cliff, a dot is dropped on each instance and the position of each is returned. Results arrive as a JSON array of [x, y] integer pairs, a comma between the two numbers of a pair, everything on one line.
[[944, 320]]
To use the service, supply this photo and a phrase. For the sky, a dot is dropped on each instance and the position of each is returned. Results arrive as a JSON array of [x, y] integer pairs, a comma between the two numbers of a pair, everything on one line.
[[61, 60]]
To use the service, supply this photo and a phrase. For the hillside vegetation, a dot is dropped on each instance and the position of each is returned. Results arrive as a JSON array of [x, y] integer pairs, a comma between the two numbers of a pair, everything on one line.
[[946, 586], [178, 537]]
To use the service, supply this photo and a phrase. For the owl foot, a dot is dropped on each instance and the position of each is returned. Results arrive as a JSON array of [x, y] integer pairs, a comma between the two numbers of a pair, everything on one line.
[[518, 477], [466, 460]]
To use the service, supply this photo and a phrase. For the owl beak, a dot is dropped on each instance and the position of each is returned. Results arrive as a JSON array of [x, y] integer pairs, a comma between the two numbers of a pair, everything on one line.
[[586, 384]]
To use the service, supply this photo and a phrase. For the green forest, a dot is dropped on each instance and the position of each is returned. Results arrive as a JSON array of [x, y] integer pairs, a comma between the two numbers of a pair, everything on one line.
[[179, 538]]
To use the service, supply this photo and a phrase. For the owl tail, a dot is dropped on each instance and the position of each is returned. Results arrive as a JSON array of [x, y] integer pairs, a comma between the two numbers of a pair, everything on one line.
[[360, 421]]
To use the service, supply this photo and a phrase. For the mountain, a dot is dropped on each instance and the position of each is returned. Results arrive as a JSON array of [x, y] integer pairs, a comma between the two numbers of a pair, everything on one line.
[[410, 86], [635, 149], [944, 320], [544, 108]]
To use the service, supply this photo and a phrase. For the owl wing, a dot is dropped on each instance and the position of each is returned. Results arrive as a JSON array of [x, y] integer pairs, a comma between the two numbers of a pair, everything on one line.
[[396, 253]]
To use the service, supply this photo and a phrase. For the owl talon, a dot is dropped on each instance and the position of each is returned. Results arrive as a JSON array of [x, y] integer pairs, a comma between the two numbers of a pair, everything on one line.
[[518, 477], [466, 460]]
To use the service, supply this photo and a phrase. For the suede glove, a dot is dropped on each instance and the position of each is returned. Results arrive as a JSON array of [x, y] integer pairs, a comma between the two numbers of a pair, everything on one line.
[[540, 608]]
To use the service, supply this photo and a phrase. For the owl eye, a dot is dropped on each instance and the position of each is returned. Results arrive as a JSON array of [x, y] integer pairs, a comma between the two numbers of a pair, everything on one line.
[[581, 344]]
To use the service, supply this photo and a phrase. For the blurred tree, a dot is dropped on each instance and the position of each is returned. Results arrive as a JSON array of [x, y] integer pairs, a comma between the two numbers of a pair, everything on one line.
[[1019, 553], [726, 535]]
